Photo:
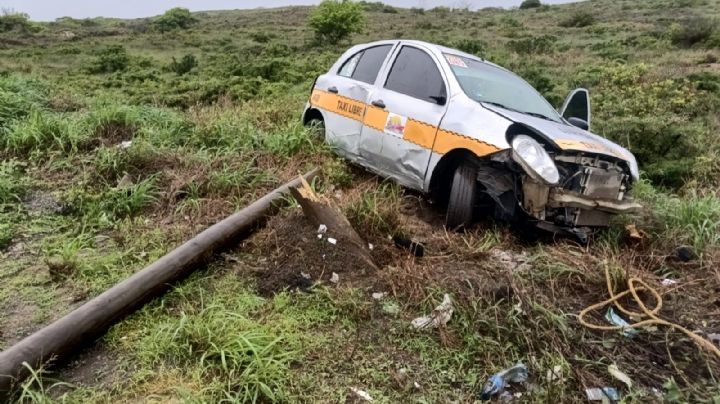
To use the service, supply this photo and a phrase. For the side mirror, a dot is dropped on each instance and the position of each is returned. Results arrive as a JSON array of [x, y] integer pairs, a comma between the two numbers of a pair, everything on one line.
[[577, 105], [580, 123]]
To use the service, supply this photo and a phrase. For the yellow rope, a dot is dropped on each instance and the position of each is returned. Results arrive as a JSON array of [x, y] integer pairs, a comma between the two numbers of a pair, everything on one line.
[[652, 314]]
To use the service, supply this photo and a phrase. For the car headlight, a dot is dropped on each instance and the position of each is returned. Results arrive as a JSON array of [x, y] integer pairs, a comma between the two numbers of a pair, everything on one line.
[[634, 168], [534, 159]]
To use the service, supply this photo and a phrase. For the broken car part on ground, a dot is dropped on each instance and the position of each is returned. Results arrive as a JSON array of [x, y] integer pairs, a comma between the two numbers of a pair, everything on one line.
[[472, 134]]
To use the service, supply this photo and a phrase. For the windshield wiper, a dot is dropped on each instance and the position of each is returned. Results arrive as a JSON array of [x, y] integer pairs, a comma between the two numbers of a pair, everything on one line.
[[497, 104], [538, 115], [535, 114]]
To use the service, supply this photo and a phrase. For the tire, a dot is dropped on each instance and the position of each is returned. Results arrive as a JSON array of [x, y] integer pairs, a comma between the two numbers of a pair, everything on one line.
[[462, 197]]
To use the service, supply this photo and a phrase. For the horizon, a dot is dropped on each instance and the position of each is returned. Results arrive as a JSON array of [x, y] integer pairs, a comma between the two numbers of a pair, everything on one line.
[[49, 10]]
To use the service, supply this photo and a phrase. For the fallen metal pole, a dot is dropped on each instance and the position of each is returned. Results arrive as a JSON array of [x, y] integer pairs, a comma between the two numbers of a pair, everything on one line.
[[93, 318]]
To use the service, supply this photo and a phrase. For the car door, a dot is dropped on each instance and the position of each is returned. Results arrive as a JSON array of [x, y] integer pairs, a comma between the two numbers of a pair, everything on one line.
[[343, 97], [402, 119]]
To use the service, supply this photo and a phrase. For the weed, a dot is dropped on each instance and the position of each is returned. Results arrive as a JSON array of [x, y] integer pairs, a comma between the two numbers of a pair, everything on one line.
[[696, 30], [578, 19], [13, 184]]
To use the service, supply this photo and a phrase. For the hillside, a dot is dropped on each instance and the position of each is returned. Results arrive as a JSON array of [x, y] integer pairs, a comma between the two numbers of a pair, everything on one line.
[[119, 142]]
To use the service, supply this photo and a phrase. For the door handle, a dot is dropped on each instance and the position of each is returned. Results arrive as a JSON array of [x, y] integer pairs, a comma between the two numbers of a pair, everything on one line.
[[378, 103], [333, 90]]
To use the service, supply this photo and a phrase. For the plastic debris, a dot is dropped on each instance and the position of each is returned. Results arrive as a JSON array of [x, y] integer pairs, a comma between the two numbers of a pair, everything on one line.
[[332, 240], [497, 383], [305, 275], [322, 229], [371, 247], [125, 144], [668, 282], [685, 253], [556, 373], [415, 248], [379, 295], [335, 278], [362, 394], [439, 316], [615, 319], [620, 375], [602, 394], [634, 233], [320, 236]]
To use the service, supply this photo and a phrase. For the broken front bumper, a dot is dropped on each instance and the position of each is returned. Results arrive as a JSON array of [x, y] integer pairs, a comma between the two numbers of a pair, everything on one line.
[[561, 198], [566, 208]]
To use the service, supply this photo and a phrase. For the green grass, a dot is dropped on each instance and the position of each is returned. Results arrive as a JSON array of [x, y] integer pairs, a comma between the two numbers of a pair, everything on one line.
[[209, 140]]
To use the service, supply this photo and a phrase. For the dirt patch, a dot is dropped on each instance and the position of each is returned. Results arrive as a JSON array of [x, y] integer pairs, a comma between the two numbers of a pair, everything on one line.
[[40, 203], [95, 367], [114, 133], [298, 257], [16, 323]]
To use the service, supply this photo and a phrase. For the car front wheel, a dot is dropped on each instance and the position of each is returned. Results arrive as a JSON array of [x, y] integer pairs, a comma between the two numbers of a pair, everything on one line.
[[462, 197]]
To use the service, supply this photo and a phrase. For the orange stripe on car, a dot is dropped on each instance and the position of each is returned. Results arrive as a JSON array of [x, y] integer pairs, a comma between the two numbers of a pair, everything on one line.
[[420, 133]]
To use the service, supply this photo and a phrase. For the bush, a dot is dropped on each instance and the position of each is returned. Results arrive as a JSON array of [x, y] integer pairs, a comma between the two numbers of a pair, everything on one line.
[[697, 30], [578, 19], [533, 45], [472, 46], [530, 4], [174, 19], [335, 20], [111, 59], [185, 65], [12, 21]]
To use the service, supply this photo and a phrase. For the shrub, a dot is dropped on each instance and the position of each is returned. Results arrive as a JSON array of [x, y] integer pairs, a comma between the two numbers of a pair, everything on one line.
[[111, 59], [12, 21], [578, 19], [177, 18], [696, 30], [335, 20], [530, 4], [472, 46], [185, 65], [533, 45]]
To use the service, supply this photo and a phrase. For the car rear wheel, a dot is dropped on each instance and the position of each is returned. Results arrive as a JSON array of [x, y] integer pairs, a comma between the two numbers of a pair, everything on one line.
[[462, 197]]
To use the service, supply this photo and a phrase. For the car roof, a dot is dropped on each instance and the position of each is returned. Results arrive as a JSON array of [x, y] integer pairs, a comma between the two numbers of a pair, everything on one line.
[[436, 47]]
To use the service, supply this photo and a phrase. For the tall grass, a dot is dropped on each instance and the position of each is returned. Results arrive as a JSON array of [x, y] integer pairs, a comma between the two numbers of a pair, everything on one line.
[[692, 219]]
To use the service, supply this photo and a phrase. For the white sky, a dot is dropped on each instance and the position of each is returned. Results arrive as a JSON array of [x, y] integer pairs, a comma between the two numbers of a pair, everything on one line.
[[48, 10]]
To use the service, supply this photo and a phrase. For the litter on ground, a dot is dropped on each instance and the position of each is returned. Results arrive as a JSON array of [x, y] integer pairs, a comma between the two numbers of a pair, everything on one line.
[[497, 383], [439, 316], [602, 394]]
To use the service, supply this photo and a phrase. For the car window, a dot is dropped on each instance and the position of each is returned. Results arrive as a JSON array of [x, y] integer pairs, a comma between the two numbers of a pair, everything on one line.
[[484, 82], [348, 67], [415, 73], [370, 63]]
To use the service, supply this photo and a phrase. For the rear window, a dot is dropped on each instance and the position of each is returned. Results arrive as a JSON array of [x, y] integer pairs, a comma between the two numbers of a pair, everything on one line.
[[365, 65]]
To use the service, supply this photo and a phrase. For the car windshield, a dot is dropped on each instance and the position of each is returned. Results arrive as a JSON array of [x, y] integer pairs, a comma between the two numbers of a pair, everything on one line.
[[486, 83]]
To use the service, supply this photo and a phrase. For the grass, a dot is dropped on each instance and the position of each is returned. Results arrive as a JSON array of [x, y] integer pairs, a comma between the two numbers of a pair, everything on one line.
[[206, 142]]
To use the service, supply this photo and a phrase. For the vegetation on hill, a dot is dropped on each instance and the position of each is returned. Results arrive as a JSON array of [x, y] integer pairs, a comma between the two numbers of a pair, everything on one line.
[[119, 139]]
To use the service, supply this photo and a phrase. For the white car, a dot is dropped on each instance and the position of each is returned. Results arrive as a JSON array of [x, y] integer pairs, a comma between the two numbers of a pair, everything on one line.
[[473, 135]]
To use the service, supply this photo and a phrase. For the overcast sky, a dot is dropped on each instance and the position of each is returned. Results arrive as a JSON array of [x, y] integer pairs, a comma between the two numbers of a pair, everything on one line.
[[48, 10]]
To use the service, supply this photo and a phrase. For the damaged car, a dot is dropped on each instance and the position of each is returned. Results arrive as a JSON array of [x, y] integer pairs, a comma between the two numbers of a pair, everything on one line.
[[472, 135]]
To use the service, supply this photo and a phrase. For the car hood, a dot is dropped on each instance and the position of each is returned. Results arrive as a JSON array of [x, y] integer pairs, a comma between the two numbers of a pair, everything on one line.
[[566, 136]]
